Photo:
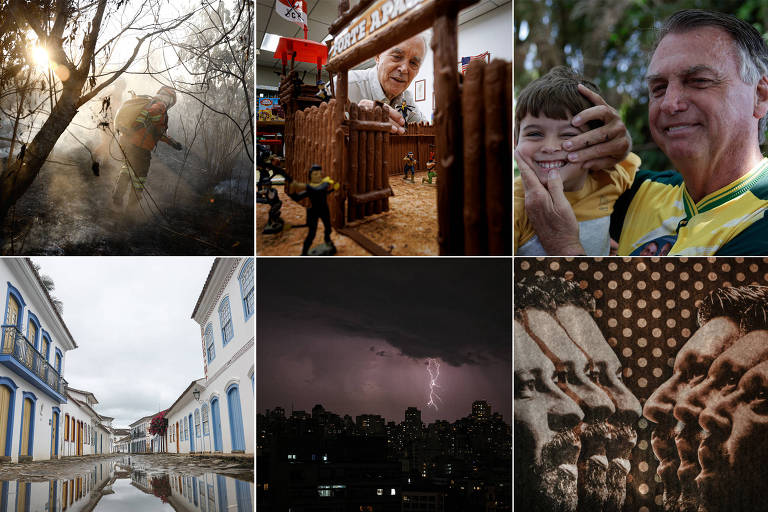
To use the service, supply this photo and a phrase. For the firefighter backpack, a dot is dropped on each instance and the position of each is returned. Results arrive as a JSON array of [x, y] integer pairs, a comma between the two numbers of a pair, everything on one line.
[[129, 111]]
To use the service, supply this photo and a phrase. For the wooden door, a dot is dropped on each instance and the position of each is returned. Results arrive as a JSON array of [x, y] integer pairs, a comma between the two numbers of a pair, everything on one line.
[[5, 405], [54, 434], [26, 415]]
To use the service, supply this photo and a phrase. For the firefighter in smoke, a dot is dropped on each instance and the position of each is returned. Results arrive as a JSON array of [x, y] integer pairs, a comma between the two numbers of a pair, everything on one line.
[[139, 134]]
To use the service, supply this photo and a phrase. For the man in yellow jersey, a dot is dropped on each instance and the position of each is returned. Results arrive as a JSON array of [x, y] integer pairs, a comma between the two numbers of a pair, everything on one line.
[[708, 100]]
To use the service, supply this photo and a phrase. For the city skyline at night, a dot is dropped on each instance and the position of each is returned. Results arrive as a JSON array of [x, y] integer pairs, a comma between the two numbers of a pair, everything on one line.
[[358, 336]]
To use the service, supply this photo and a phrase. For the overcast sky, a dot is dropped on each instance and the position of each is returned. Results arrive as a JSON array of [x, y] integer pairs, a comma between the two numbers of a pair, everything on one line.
[[138, 347], [355, 334]]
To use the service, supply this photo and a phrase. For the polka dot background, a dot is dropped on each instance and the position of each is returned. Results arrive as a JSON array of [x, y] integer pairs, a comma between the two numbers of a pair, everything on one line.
[[646, 309]]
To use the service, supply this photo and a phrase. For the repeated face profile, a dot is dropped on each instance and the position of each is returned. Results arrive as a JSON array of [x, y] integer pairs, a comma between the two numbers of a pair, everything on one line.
[[575, 418], [704, 462], [554, 324]]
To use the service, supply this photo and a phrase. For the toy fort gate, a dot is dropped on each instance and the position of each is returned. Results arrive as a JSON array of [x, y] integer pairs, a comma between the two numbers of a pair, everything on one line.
[[474, 200]]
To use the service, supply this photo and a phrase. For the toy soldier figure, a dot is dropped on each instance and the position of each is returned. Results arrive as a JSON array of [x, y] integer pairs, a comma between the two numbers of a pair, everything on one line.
[[409, 166], [317, 191]]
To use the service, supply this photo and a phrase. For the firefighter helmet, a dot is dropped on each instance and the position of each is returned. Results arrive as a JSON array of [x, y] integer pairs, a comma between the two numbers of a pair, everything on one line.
[[167, 95]]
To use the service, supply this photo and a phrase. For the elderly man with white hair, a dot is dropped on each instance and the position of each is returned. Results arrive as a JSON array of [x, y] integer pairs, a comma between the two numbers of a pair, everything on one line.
[[389, 79]]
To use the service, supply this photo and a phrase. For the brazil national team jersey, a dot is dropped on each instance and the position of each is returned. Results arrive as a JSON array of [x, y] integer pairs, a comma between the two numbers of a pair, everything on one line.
[[657, 217]]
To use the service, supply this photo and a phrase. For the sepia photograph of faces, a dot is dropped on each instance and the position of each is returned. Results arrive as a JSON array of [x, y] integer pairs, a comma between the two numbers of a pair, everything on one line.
[[640, 384]]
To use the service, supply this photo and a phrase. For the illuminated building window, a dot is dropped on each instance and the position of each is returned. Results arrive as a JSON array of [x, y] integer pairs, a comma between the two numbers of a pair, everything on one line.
[[379, 492]]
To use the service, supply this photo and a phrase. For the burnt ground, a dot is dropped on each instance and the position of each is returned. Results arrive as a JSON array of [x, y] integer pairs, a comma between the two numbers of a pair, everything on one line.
[[409, 228], [68, 211]]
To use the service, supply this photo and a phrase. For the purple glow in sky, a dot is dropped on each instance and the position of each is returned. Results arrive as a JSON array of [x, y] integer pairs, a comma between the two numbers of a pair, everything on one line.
[[355, 335]]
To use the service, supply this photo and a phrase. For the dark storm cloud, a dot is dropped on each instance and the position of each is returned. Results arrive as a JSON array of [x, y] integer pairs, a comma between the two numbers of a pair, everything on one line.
[[457, 309]]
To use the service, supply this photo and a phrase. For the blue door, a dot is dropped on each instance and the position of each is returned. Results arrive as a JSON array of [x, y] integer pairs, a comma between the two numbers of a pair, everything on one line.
[[235, 419], [216, 420], [221, 484], [191, 435]]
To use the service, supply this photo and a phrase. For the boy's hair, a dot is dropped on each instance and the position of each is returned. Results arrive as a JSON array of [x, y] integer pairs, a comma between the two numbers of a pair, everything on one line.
[[555, 95]]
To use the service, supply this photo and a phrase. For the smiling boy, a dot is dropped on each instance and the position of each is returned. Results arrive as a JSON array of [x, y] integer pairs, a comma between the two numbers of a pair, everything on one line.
[[543, 117]]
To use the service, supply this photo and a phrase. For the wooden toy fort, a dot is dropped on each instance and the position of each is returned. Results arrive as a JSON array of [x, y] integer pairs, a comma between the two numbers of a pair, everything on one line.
[[472, 130]]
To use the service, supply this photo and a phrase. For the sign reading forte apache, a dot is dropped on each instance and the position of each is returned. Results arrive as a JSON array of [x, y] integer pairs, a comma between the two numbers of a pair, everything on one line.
[[377, 16]]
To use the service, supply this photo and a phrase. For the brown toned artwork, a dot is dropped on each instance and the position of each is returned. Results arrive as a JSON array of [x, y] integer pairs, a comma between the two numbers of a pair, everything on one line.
[[641, 384]]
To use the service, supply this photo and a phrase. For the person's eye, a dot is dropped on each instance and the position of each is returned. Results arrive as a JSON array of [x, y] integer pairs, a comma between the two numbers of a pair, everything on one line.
[[568, 135], [658, 90], [700, 82], [760, 400], [526, 388], [731, 379], [560, 378], [533, 134]]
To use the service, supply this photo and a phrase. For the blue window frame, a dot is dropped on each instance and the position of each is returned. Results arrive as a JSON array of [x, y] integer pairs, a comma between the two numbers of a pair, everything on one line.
[[12, 291], [59, 359], [209, 347], [246, 287], [225, 317], [33, 321], [197, 422], [204, 414], [45, 348]]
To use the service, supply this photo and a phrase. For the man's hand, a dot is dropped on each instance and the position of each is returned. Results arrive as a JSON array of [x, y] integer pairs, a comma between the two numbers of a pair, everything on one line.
[[395, 118], [603, 147], [550, 212], [176, 145]]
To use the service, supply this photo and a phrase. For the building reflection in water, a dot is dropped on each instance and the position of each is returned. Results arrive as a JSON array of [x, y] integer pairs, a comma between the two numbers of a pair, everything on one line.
[[110, 483]]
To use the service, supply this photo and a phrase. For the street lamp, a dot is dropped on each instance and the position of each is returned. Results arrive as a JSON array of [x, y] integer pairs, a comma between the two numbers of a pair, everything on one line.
[[196, 394]]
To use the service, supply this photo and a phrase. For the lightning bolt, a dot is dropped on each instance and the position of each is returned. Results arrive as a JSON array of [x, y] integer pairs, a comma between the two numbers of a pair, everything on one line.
[[433, 368]]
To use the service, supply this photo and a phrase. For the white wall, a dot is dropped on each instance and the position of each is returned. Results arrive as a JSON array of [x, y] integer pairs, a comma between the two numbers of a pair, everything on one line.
[[491, 32], [15, 272]]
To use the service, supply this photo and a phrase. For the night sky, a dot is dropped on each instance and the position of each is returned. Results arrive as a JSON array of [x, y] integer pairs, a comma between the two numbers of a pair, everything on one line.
[[355, 334]]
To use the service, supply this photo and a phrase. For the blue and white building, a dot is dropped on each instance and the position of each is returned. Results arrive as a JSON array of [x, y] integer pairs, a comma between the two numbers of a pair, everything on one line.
[[33, 347], [216, 413]]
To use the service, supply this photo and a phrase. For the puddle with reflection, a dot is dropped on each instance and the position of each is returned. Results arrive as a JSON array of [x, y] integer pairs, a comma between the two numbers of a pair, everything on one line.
[[121, 485]]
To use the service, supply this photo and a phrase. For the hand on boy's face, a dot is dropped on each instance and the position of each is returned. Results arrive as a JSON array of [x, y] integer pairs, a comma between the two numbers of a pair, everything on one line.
[[603, 147], [550, 212]]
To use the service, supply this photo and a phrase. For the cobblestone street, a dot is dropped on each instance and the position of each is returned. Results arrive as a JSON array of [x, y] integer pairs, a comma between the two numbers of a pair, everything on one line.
[[240, 468]]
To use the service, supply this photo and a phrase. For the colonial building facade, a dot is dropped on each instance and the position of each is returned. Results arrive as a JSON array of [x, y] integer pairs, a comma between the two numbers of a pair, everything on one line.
[[140, 437], [34, 343], [84, 431], [215, 413]]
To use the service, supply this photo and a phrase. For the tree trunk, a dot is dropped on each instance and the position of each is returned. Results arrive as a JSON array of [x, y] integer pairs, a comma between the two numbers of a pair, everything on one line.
[[19, 175]]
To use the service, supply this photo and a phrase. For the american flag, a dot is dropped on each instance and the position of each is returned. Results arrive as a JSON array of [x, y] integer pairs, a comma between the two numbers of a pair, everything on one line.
[[466, 60]]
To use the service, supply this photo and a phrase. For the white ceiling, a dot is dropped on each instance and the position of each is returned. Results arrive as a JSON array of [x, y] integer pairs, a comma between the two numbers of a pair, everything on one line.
[[321, 13]]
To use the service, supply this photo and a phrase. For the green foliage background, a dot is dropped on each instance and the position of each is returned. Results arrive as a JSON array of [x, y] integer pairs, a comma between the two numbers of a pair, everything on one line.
[[609, 41]]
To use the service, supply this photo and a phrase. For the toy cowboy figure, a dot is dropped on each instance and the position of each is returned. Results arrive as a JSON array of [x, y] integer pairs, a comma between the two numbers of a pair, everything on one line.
[[404, 109], [317, 191], [410, 163]]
